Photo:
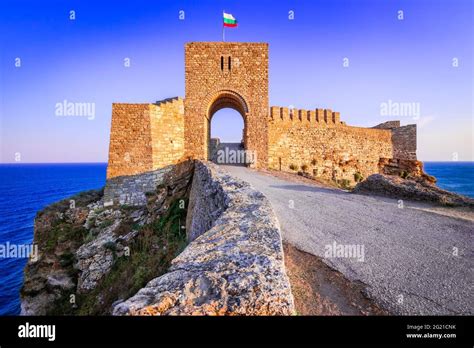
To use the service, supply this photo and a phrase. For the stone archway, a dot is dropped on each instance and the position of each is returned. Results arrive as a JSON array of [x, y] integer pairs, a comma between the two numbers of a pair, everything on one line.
[[221, 100], [226, 75]]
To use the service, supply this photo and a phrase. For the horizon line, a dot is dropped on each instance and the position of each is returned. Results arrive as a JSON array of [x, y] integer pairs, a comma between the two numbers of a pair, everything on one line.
[[19, 163]]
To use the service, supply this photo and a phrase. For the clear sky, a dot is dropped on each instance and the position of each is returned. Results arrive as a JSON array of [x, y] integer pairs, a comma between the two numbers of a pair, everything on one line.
[[424, 60]]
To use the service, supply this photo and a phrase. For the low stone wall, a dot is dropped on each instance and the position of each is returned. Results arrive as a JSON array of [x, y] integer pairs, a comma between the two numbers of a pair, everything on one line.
[[132, 189], [234, 264]]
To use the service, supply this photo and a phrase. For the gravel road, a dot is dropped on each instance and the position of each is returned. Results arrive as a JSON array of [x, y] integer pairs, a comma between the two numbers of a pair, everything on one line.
[[413, 262]]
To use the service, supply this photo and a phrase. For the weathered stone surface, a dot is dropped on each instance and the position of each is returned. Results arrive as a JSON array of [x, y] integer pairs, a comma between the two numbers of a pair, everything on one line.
[[221, 75], [78, 244], [407, 169], [207, 202], [145, 137], [317, 144], [58, 231], [397, 187], [234, 268]]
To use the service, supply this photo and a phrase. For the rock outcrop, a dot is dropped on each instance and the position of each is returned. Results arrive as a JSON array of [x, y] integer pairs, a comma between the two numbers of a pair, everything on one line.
[[91, 253], [406, 169], [121, 250], [419, 190], [234, 263]]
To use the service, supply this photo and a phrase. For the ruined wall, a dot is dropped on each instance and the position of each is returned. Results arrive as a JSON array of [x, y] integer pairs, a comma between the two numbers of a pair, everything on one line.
[[326, 146], [145, 137], [404, 142], [226, 74]]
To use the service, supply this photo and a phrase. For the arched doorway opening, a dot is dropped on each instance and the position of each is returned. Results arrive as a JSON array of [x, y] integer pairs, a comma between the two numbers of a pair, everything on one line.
[[226, 137], [227, 115]]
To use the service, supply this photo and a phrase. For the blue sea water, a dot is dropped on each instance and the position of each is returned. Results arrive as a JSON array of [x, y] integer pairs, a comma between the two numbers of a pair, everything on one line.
[[453, 176], [24, 190], [27, 188]]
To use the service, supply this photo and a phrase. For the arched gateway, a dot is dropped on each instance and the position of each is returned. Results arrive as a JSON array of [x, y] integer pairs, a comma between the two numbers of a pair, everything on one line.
[[218, 75], [226, 75]]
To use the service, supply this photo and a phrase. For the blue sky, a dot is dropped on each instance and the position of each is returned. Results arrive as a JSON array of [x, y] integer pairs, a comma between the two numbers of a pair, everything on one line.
[[402, 61]]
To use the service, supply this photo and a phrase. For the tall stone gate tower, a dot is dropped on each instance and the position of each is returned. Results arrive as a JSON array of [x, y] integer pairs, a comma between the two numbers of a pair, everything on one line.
[[150, 136], [226, 75]]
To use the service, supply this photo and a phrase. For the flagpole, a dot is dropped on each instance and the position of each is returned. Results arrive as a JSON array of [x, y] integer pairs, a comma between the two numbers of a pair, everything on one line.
[[223, 27]]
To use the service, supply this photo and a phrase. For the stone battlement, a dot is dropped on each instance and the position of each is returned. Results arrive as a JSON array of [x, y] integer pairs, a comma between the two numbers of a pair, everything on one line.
[[219, 75], [317, 116]]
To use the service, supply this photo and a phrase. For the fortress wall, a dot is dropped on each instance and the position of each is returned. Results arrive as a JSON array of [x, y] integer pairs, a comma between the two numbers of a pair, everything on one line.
[[130, 149], [328, 147], [145, 137], [167, 132], [404, 142]]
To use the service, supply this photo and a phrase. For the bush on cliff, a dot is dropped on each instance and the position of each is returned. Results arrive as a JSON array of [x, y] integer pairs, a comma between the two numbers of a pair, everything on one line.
[[150, 256]]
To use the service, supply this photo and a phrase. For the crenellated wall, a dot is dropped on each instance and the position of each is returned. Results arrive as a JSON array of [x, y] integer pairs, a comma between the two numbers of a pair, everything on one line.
[[218, 75], [318, 143]]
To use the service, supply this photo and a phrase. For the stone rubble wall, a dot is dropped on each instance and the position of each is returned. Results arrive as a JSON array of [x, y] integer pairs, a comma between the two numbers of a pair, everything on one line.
[[404, 142], [234, 263], [132, 189]]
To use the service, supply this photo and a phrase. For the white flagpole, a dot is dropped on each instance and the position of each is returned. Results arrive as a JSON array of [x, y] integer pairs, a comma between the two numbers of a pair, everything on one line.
[[223, 27]]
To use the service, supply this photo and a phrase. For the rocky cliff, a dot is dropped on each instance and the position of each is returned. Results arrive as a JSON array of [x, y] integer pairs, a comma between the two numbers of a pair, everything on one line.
[[123, 250], [96, 248], [411, 188], [234, 264]]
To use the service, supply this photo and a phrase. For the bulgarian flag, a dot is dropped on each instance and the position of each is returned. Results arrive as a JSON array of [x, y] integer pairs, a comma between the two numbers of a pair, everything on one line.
[[229, 20]]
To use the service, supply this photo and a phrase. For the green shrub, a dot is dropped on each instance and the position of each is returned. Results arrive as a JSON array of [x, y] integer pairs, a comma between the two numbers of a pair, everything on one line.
[[404, 174], [110, 245], [106, 223], [344, 183], [304, 168], [293, 166], [358, 177]]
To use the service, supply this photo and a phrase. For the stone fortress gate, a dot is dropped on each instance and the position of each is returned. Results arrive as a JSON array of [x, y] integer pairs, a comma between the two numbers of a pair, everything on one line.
[[218, 75]]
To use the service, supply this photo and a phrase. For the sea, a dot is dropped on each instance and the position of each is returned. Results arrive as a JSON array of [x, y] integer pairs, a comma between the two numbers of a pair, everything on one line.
[[25, 189]]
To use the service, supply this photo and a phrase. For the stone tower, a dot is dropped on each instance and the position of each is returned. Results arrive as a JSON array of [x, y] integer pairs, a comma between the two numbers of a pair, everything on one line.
[[146, 137], [226, 75]]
